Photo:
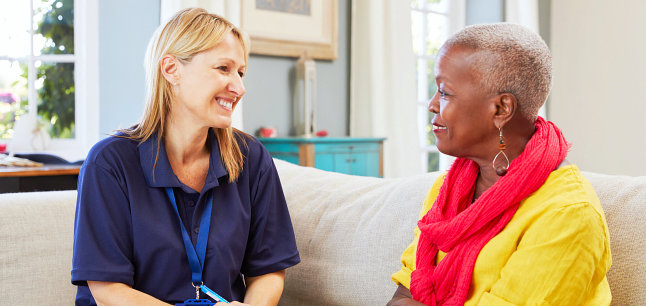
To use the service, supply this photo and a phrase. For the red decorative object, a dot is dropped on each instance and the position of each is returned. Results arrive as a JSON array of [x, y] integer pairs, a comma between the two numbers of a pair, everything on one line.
[[268, 132], [321, 133], [3, 147]]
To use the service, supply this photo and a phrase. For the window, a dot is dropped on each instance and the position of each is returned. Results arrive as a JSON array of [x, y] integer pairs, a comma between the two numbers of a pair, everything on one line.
[[432, 21], [42, 71]]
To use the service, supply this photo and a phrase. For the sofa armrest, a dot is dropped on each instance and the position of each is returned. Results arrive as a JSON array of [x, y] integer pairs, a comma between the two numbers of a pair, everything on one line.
[[36, 234], [624, 203]]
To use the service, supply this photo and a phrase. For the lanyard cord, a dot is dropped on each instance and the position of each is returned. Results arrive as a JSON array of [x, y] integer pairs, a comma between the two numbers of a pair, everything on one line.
[[195, 257]]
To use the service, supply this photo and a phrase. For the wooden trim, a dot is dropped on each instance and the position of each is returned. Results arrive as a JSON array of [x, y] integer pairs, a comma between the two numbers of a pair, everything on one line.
[[306, 154], [276, 47], [47, 170], [285, 48]]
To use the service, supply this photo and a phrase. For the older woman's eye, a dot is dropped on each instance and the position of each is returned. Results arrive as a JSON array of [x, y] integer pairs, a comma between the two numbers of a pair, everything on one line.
[[442, 93]]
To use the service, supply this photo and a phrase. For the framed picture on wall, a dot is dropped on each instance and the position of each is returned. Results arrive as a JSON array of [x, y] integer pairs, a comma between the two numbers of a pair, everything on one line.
[[292, 27]]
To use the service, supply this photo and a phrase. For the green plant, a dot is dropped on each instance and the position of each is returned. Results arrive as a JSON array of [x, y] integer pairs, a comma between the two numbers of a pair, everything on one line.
[[57, 91]]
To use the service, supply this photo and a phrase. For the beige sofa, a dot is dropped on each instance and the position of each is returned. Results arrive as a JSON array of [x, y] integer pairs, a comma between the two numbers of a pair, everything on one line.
[[350, 232]]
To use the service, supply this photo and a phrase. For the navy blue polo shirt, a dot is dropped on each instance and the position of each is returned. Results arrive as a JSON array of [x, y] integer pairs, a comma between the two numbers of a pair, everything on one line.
[[127, 231]]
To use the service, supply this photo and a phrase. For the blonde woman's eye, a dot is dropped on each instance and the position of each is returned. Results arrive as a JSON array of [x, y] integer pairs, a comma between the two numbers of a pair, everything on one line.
[[223, 68], [241, 73]]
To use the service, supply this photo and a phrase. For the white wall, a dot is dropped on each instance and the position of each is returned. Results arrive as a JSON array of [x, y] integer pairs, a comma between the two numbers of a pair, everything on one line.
[[599, 92], [124, 30]]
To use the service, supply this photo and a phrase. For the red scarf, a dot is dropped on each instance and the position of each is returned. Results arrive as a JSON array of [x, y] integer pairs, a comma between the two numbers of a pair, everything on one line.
[[461, 229]]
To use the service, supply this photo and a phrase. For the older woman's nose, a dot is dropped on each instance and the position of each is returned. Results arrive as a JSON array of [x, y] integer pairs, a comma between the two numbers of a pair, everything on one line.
[[434, 104]]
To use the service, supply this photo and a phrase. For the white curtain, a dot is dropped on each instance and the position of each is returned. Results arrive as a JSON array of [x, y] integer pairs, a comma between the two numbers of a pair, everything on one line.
[[382, 85], [525, 13], [229, 9]]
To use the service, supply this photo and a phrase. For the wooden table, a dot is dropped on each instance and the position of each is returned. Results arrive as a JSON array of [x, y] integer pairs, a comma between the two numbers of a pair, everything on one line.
[[48, 177]]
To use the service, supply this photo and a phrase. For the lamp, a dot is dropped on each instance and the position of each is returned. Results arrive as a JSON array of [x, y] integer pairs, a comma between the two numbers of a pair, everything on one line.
[[304, 107]]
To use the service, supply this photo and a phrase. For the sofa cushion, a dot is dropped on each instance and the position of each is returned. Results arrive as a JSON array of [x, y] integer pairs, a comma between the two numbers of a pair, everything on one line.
[[36, 233], [624, 203], [350, 232]]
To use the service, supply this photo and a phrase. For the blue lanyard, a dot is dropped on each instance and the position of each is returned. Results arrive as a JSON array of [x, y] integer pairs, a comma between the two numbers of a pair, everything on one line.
[[195, 258]]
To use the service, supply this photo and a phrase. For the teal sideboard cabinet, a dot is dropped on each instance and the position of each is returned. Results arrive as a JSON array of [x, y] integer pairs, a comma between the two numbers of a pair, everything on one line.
[[357, 156]]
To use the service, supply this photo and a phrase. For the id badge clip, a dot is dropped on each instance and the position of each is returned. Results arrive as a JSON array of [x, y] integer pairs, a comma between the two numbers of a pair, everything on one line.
[[196, 302]]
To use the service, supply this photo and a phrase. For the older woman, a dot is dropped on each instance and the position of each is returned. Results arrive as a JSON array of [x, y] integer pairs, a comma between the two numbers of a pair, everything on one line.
[[182, 201], [511, 222]]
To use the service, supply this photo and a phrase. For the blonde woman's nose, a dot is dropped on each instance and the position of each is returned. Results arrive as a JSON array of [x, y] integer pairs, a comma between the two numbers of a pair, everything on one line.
[[237, 86]]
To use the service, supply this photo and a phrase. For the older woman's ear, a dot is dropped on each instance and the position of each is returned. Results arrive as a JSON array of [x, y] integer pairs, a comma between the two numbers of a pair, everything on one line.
[[506, 106]]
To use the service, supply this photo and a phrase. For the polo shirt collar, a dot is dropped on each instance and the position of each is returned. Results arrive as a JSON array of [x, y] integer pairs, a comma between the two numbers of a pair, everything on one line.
[[216, 167], [164, 175]]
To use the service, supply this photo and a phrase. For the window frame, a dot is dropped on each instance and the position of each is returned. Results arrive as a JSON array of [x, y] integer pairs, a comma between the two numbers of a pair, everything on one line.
[[456, 16], [85, 60]]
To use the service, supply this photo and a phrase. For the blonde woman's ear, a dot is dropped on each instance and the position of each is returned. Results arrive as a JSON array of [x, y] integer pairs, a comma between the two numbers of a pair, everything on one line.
[[169, 68]]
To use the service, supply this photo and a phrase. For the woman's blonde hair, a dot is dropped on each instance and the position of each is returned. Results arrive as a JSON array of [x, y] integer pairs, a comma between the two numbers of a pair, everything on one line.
[[188, 32]]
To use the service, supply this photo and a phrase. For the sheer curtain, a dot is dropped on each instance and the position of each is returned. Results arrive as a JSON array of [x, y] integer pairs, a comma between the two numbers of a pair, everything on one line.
[[525, 13], [229, 9], [382, 82]]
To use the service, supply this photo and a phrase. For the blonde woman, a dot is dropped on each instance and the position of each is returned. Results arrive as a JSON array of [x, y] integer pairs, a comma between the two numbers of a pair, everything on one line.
[[182, 202]]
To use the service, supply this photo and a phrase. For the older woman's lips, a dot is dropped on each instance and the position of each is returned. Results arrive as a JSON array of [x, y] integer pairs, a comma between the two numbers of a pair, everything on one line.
[[438, 128]]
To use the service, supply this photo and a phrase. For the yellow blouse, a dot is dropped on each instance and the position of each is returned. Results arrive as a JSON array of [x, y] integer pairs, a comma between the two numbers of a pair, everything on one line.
[[554, 251]]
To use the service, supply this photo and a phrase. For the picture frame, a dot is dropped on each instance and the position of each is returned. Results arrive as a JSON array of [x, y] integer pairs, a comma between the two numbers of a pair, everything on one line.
[[292, 28]]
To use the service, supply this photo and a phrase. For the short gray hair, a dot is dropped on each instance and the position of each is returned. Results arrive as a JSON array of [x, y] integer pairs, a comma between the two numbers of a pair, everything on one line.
[[515, 60]]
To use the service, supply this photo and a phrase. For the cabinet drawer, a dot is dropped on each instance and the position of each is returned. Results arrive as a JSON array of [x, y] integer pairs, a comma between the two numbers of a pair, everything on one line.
[[356, 156], [346, 147], [366, 164], [288, 157], [282, 147]]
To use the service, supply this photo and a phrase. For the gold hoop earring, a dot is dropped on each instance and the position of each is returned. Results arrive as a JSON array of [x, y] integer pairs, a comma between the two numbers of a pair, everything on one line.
[[502, 169]]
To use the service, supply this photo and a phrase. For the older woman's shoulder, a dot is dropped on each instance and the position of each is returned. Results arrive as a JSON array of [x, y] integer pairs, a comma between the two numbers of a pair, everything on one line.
[[564, 187]]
